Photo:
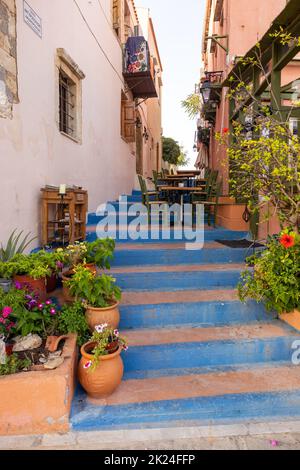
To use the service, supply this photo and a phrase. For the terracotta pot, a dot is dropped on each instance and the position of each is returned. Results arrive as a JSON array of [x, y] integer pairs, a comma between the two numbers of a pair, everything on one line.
[[292, 319], [98, 316], [66, 291], [92, 267], [105, 378], [51, 283], [37, 286]]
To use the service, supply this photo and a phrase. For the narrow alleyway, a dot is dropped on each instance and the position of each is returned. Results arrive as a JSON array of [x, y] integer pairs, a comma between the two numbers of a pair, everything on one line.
[[197, 355]]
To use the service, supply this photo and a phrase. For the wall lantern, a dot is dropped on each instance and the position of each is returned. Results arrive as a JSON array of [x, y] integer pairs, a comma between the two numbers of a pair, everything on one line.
[[205, 90]]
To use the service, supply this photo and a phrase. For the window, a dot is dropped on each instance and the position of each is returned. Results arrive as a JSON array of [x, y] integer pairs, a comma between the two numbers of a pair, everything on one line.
[[67, 105], [69, 96]]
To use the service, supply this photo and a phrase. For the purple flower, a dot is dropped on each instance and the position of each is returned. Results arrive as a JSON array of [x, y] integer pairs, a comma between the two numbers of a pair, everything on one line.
[[116, 333], [59, 264], [31, 304], [18, 285]]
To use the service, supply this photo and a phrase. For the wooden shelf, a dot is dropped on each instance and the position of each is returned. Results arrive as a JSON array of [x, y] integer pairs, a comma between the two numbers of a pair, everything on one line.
[[56, 228]]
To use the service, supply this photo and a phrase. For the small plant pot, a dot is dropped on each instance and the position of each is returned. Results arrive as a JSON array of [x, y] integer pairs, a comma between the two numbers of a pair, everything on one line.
[[5, 284], [103, 380], [66, 291], [51, 283], [98, 316], [36, 286]]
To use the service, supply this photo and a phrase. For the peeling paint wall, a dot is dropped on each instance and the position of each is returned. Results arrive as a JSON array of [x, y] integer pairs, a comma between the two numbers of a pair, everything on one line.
[[8, 58]]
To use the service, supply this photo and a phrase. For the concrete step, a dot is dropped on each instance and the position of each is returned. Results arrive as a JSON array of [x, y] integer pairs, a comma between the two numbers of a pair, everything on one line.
[[177, 280], [222, 397], [172, 253], [176, 235], [201, 313]]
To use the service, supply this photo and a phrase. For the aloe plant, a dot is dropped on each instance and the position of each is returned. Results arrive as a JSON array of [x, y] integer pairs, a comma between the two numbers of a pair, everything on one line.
[[15, 245]]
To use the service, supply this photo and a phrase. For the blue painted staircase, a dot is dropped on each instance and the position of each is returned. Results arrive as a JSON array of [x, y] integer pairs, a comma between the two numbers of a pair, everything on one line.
[[197, 355]]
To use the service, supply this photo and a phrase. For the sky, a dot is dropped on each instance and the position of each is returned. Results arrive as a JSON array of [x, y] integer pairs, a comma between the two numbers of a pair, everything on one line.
[[178, 27]]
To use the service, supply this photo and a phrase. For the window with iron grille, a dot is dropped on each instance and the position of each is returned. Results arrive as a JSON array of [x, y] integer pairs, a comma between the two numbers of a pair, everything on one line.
[[67, 105]]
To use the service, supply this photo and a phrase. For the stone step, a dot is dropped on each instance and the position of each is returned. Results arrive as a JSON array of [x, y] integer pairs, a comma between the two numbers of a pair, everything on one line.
[[194, 314], [197, 399]]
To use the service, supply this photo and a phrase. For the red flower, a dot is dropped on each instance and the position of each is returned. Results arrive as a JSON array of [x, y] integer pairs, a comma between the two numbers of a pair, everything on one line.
[[287, 240], [225, 130]]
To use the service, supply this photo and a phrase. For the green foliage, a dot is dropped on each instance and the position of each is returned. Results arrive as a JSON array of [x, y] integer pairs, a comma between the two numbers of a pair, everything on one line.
[[54, 260], [40, 318], [191, 105], [13, 365], [183, 160], [100, 252], [32, 265], [275, 279], [15, 245], [72, 320], [96, 291], [105, 336], [171, 150]]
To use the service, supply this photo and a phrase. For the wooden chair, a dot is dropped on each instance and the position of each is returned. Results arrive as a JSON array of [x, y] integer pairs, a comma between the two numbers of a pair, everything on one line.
[[147, 194], [212, 201]]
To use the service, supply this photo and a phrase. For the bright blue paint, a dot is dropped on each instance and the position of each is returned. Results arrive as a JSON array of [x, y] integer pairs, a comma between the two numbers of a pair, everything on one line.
[[201, 314], [146, 257], [175, 281], [197, 411], [202, 354]]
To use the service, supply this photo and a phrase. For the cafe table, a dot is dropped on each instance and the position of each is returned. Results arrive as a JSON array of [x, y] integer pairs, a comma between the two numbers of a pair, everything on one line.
[[182, 190]]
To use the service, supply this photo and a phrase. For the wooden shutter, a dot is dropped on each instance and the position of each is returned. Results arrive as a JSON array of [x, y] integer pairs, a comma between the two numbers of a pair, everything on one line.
[[128, 121], [116, 13]]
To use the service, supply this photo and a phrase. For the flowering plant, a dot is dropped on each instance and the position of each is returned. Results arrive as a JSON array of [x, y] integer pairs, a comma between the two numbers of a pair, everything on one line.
[[105, 340], [7, 324], [38, 317], [275, 279]]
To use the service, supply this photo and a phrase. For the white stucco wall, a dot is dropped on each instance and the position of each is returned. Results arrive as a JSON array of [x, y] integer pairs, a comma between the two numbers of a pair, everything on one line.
[[32, 150]]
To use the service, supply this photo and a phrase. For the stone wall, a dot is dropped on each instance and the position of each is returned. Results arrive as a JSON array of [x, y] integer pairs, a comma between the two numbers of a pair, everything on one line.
[[8, 58]]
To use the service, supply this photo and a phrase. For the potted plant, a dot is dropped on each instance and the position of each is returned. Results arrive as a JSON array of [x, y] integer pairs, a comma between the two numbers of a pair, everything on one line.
[[101, 368], [14, 245], [100, 252], [100, 296], [275, 278], [55, 260], [30, 271]]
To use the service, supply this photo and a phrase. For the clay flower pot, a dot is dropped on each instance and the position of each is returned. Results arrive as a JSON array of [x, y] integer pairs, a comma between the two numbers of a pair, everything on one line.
[[37, 286], [51, 283], [66, 291], [92, 267], [98, 316], [107, 375]]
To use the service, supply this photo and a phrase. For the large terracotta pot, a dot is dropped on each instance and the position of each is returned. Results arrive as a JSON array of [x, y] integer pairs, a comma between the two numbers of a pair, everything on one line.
[[37, 286], [98, 316], [292, 319], [105, 378]]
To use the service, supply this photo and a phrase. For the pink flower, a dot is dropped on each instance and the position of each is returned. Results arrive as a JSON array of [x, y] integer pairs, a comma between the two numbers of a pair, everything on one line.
[[6, 312], [10, 326], [116, 333], [274, 443], [2, 320], [87, 365], [125, 348], [48, 302], [18, 285], [41, 306], [101, 328], [53, 311]]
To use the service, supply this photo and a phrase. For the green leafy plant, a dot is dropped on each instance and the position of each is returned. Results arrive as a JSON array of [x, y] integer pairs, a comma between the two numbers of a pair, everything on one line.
[[96, 291], [32, 265], [38, 317], [13, 365], [100, 252], [12, 305], [54, 260], [191, 105], [72, 320], [76, 253], [275, 279], [105, 341], [15, 245]]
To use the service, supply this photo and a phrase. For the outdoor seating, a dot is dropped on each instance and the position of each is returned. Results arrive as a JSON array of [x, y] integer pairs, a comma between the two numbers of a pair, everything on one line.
[[212, 201]]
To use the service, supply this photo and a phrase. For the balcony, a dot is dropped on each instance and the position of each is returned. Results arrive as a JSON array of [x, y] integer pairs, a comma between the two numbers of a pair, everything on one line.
[[138, 71]]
